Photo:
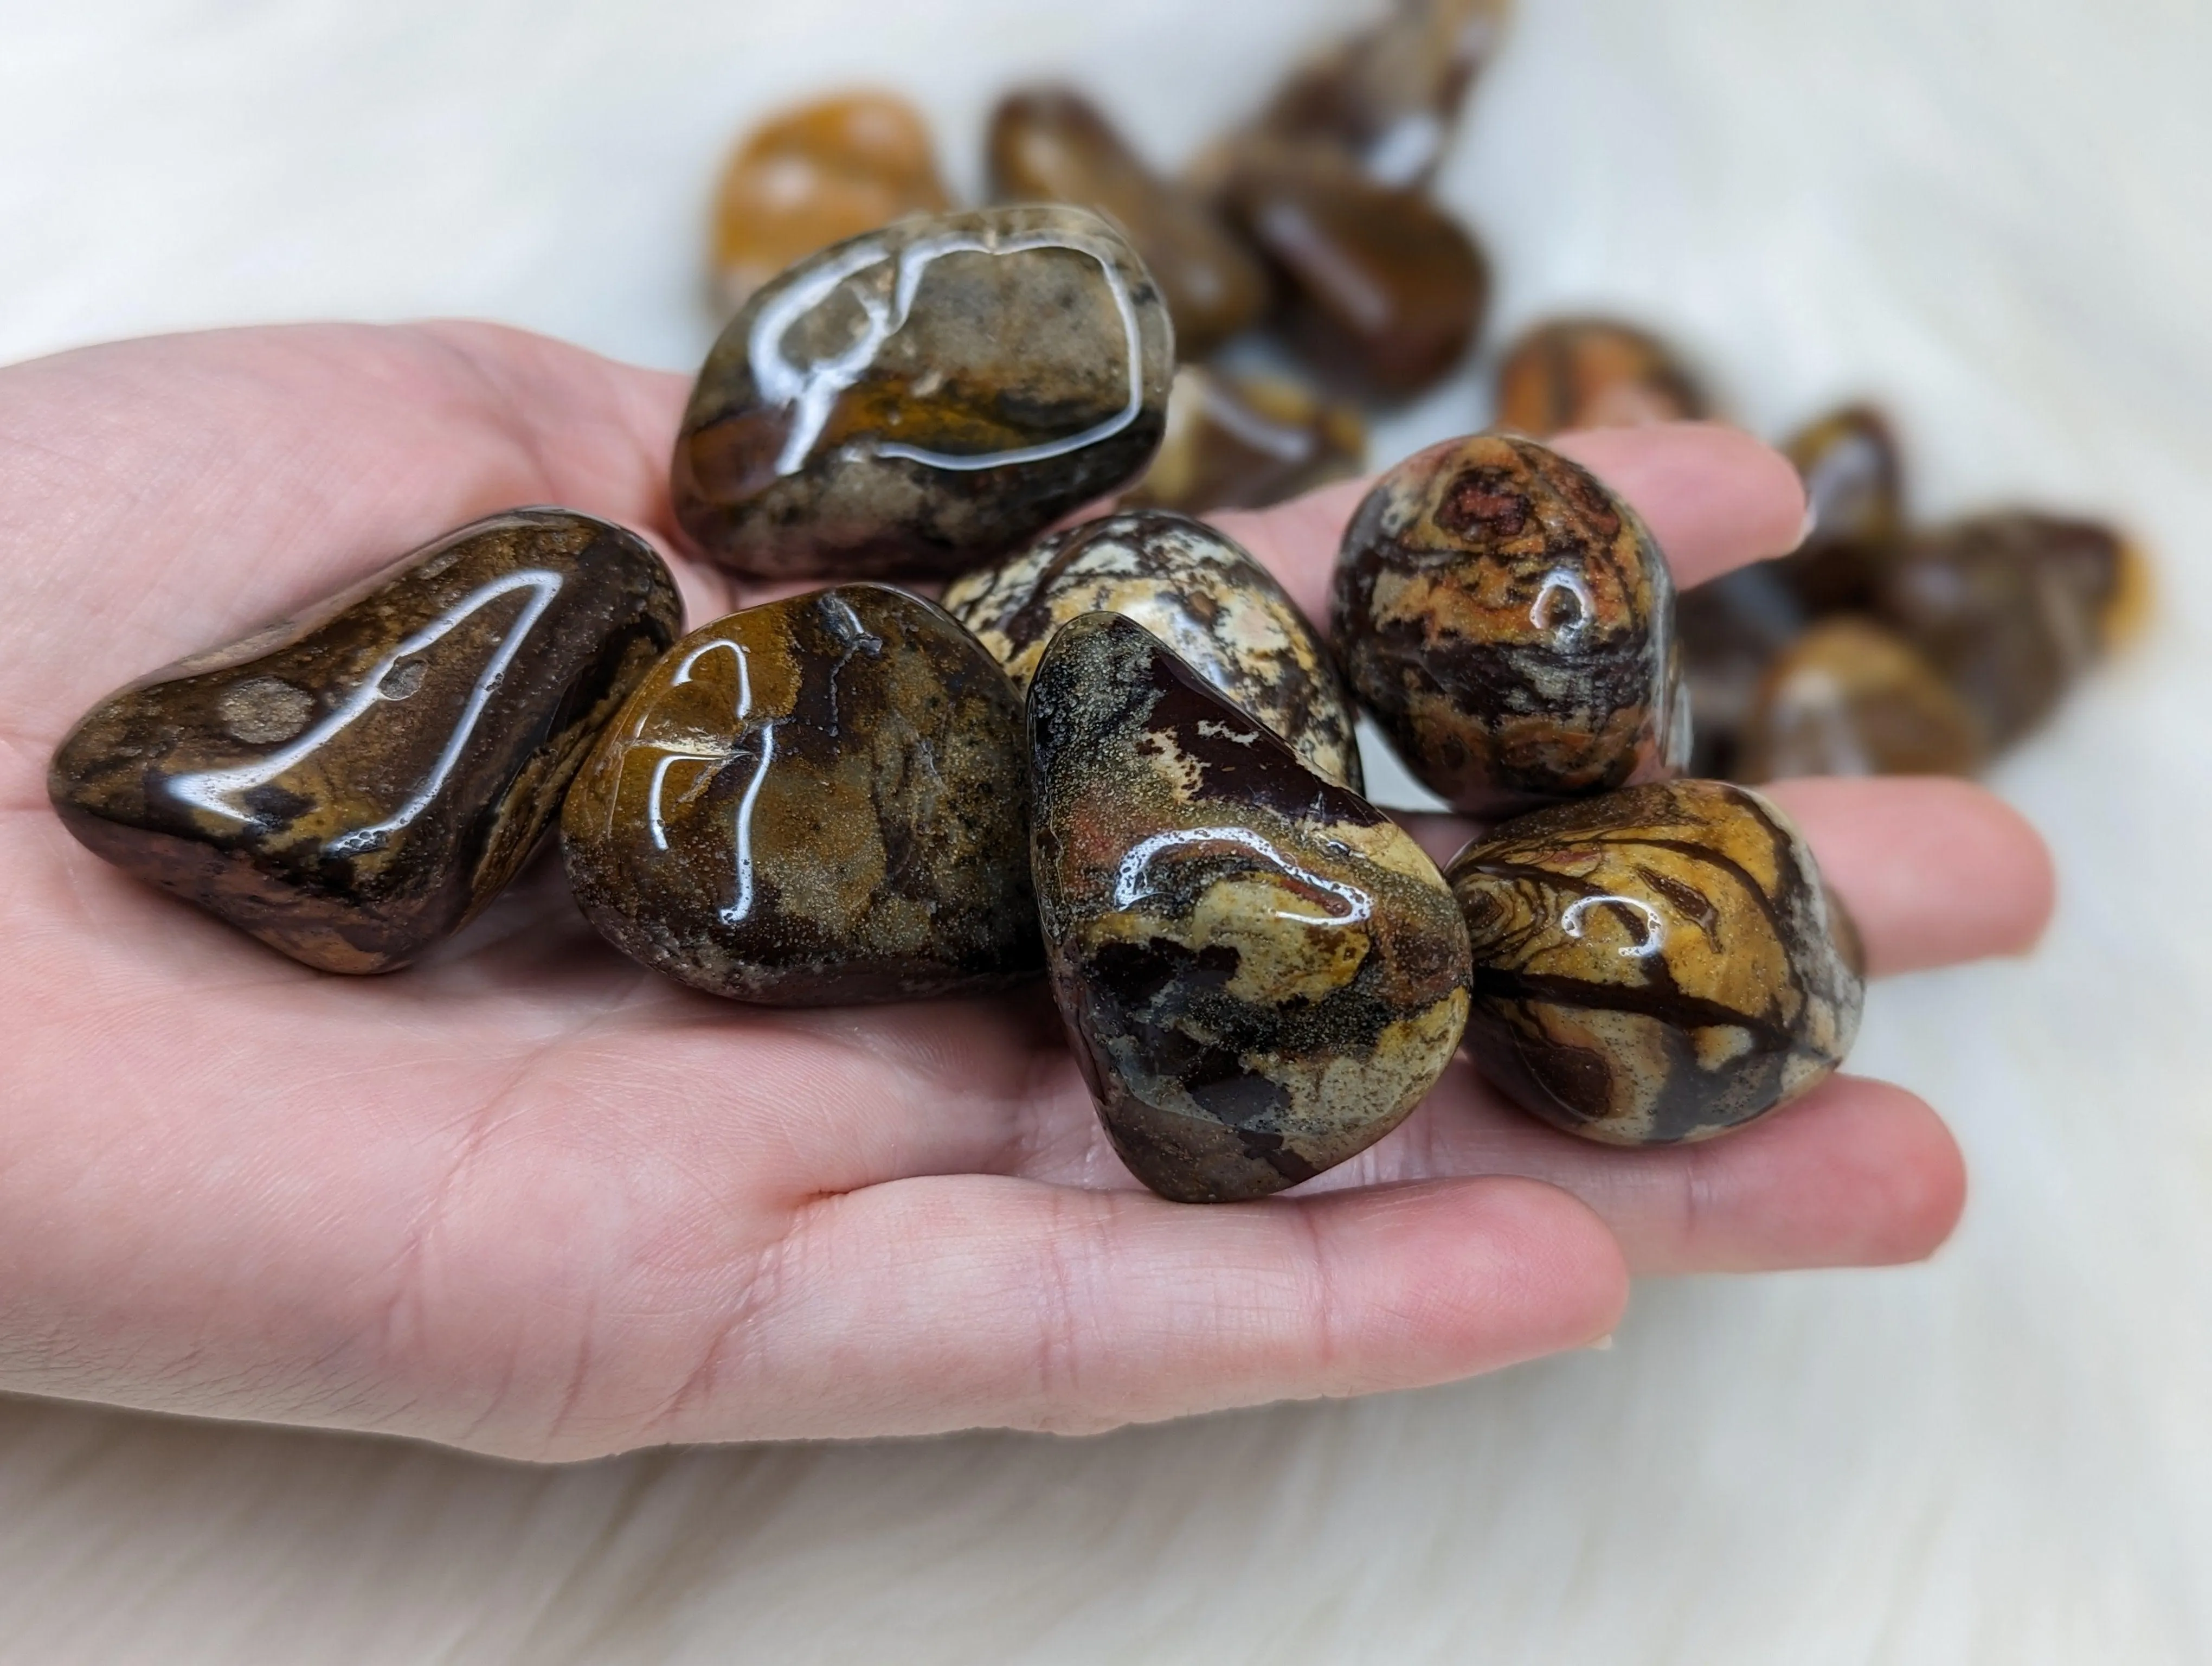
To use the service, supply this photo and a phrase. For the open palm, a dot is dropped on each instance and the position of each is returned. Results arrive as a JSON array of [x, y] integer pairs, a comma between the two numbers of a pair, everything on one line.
[[529, 1198]]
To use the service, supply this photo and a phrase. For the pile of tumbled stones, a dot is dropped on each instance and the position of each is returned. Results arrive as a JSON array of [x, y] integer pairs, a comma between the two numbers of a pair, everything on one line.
[[1115, 754], [1309, 272]]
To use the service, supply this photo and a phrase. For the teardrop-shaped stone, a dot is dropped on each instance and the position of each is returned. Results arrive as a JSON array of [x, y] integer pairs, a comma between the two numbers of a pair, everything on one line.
[[821, 801], [351, 784], [1245, 442], [1262, 973], [1654, 965], [1050, 145], [1850, 697], [815, 175], [1221, 613], [1575, 372], [1381, 289], [1854, 476], [926, 398], [1509, 621]]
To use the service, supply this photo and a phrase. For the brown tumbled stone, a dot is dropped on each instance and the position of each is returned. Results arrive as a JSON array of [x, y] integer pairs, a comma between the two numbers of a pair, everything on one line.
[[1261, 973], [1656, 965], [923, 398], [1221, 613], [1050, 145], [1850, 698], [352, 784], [1509, 622], [1245, 442], [816, 175], [821, 801], [1854, 479], [1733, 628], [1381, 288], [1593, 372]]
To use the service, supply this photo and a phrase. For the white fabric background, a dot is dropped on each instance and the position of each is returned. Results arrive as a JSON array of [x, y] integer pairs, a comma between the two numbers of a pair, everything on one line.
[[1996, 214]]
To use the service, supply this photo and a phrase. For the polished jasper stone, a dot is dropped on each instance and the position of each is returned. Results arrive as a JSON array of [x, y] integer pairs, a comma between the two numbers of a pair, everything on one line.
[[1262, 973], [1733, 628], [1659, 965], [1390, 97], [924, 399], [2010, 608], [1509, 622], [1245, 442], [816, 175], [1593, 372], [1850, 698], [821, 801], [351, 785], [1854, 479], [1380, 288], [1221, 613], [1050, 145]]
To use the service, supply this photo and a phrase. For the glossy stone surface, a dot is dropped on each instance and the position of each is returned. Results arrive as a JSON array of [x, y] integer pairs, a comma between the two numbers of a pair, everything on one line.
[[1221, 613], [1262, 975], [1381, 289], [821, 801], [815, 175], [1509, 622], [2010, 608], [1850, 697], [1245, 442], [1050, 145], [922, 399], [1854, 476], [1593, 372], [351, 784], [1656, 965], [1733, 628], [1389, 97]]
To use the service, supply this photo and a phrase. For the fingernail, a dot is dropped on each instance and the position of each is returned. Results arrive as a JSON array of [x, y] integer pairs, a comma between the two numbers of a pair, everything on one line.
[[1603, 1345]]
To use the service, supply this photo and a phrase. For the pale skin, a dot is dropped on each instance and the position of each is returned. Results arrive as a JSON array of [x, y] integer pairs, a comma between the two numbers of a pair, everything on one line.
[[530, 1199]]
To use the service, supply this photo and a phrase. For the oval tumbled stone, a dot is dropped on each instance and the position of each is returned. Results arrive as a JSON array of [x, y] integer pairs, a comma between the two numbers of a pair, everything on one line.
[[349, 786], [924, 397], [1223, 614], [1511, 623], [1656, 965], [1262, 973], [821, 801]]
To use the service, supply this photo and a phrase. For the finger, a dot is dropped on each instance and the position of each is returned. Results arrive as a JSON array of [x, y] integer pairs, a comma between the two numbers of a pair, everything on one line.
[[931, 1305], [1713, 496]]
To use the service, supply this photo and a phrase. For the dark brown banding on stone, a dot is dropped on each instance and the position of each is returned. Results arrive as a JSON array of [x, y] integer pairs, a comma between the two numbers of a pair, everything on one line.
[[1222, 613], [817, 802], [1262, 975], [1659, 965], [1593, 372], [1509, 622], [351, 785]]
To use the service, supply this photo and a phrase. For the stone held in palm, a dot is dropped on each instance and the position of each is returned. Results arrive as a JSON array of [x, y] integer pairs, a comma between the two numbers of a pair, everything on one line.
[[821, 801], [1573, 373], [923, 398], [1247, 442], [1509, 622], [1656, 965], [1850, 698], [1221, 613], [349, 786], [1261, 973]]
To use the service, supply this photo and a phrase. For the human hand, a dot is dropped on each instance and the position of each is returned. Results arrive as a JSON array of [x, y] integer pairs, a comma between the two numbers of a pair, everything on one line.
[[531, 1199]]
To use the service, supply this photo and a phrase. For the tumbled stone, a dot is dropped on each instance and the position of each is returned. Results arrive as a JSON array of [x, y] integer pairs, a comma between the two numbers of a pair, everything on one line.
[[1262, 973], [1851, 698], [1511, 624], [1245, 442], [1593, 372], [352, 784], [816, 175], [1733, 628], [1051, 144], [821, 801], [1389, 97], [1221, 613], [1854, 479], [1380, 288], [2010, 608], [1656, 965], [926, 398]]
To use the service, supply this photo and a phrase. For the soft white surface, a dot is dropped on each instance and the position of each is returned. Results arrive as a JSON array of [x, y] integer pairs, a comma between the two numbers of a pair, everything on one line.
[[1997, 213]]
